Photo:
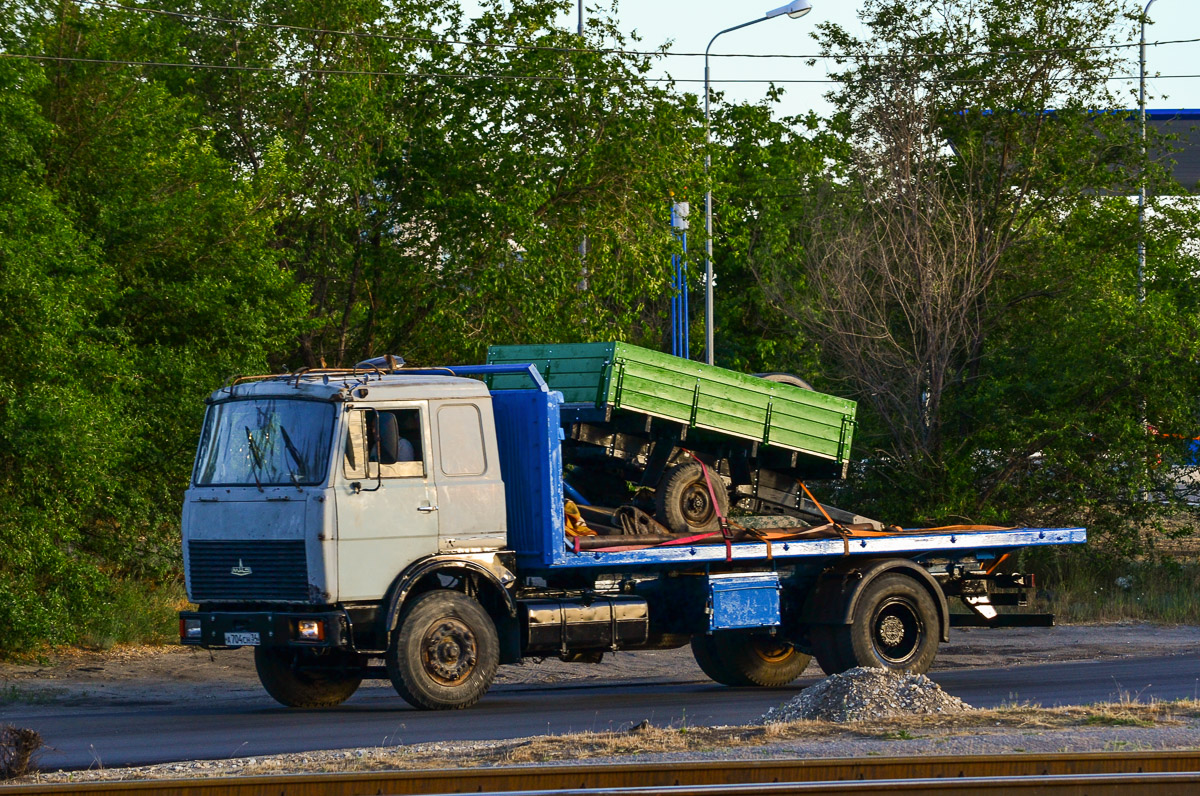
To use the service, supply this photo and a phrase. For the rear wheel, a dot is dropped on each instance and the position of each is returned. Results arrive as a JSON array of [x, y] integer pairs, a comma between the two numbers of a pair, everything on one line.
[[444, 653], [762, 659], [708, 657], [827, 648], [742, 659], [684, 502], [896, 627], [301, 678]]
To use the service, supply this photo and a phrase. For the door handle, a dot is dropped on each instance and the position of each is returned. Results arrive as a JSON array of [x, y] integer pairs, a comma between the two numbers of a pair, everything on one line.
[[427, 509]]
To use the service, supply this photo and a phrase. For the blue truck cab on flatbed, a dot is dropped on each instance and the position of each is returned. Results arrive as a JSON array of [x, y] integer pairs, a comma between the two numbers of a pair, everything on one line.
[[412, 524]]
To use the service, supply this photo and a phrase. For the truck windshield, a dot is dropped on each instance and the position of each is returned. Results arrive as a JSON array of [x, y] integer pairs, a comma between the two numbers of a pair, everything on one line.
[[267, 441]]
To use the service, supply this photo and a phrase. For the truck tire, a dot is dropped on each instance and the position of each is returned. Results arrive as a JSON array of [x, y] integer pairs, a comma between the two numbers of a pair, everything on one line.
[[708, 658], [785, 378], [762, 659], [683, 503], [740, 659], [444, 653], [896, 627], [827, 649], [308, 678]]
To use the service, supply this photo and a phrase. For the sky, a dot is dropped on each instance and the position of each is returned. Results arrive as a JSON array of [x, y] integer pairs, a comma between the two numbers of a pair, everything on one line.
[[689, 24]]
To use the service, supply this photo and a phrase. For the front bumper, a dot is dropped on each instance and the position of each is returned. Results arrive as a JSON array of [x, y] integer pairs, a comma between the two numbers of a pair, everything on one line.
[[233, 629]]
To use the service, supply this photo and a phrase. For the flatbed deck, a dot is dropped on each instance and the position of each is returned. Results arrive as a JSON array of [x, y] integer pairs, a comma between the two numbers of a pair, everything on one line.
[[911, 543]]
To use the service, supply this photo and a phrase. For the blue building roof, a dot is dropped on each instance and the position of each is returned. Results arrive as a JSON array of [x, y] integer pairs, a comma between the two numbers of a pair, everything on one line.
[[1184, 125]]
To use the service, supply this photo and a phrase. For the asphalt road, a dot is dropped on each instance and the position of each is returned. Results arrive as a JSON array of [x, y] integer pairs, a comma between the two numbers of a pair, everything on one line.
[[80, 737]]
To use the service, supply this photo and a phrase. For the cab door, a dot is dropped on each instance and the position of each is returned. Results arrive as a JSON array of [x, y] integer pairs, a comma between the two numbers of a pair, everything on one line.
[[387, 514], [469, 488]]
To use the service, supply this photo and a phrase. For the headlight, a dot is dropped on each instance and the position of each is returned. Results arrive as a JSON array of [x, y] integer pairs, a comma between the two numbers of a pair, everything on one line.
[[310, 630], [189, 628]]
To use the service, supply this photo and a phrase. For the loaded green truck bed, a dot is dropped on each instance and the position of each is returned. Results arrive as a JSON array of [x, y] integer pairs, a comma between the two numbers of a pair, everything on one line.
[[608, 377], [632, 415]]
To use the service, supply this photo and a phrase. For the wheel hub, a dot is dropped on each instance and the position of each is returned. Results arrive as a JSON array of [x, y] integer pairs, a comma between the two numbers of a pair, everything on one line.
[[449, 652], [897, 631], [772, 650], [891, 631], [697, 506]]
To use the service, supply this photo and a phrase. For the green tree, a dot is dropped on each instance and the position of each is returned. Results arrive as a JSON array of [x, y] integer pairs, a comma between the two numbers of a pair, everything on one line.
[[134, 270], [972, 288]]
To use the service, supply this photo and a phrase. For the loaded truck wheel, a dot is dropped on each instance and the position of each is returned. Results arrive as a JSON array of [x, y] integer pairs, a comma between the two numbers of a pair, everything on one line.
[[704, 650], [895, 627], [302, 678], [684, 503], [785, 378], [740, 659], [444, 653]]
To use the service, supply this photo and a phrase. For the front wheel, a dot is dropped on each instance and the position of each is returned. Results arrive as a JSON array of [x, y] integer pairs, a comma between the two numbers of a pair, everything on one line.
[[301, 678], [444, 653], [896, 627]]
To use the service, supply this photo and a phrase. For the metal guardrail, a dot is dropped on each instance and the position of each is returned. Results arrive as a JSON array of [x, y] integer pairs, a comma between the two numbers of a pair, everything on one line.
[[1097, 774]]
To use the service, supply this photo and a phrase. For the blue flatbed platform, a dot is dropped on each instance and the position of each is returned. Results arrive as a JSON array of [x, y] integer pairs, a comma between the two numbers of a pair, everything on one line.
[[530, 438]]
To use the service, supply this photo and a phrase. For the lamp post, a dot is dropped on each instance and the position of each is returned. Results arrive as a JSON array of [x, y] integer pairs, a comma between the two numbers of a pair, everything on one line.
[[795, 10], [1141, 268]]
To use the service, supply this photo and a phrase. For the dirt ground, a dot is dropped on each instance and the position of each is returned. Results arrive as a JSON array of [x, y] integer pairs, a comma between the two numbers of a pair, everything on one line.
[[160, 675]]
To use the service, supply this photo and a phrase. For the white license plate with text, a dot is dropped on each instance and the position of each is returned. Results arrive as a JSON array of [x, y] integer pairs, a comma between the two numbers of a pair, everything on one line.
[[242, 639]]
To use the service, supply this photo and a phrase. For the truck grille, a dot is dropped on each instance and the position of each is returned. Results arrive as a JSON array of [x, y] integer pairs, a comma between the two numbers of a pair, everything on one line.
[[254, 570]]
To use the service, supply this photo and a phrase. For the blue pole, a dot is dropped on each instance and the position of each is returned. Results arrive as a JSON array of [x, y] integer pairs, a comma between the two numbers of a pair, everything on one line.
[[680, 346], [683, 299], [675, 307]]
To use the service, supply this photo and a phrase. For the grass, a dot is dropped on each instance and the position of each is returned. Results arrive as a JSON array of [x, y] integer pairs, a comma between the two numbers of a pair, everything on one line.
[[136, 613], [1167, 592], [11, 694]]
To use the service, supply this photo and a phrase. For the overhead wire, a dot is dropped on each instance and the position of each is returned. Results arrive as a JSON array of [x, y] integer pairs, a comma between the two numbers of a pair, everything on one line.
[[605, 51], [496, 77]]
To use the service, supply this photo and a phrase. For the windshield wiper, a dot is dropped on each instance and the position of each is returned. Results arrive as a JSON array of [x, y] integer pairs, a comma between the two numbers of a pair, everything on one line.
[[258, 462], [295, 454]]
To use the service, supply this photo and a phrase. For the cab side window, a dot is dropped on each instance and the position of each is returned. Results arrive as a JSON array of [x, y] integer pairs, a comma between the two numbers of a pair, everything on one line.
[[384, 442]]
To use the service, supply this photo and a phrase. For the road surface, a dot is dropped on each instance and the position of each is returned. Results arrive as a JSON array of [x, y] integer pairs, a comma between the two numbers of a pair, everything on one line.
[[241, 726]]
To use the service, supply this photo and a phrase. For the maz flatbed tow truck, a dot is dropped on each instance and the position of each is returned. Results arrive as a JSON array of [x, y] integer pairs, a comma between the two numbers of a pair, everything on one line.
[[414, 525]]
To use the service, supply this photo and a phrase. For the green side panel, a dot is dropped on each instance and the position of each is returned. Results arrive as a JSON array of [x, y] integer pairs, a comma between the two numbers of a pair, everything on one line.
[[580, 371], [637, 379]]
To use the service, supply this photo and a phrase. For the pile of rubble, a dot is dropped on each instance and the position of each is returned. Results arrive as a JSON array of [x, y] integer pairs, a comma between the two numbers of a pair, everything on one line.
[[862, 694]]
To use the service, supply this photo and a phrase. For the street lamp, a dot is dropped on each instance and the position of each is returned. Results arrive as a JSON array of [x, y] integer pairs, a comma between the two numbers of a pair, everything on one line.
[[795, 10], [1141, 287]]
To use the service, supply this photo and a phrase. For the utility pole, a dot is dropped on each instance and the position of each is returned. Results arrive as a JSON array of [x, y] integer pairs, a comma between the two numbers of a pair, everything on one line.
[[1141, 267]]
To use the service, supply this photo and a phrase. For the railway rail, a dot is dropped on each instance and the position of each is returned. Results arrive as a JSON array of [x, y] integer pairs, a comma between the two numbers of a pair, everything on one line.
[[1090, 773]]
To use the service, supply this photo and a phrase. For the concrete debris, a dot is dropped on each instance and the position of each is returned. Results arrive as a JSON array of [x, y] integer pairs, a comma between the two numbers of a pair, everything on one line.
[[862, 694]]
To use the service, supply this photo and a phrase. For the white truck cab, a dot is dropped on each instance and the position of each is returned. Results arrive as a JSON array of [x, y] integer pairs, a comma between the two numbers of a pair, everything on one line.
[[321, 492]]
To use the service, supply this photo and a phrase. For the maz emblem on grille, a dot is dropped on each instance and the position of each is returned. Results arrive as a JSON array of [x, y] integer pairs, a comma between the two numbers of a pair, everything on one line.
[[240, 570]]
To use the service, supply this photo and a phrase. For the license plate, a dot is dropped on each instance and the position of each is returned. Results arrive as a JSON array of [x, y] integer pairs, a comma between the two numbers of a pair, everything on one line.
[[242, 640]]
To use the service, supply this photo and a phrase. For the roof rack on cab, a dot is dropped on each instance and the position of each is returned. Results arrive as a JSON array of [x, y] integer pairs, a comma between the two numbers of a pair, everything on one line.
[[377, 366]]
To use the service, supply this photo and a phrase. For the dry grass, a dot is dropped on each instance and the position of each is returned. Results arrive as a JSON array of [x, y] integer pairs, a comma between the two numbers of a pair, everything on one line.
[[18, 751], [692, 739]]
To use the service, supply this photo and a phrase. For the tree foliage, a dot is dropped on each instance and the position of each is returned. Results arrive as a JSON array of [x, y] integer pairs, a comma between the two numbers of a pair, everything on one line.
[[341, 182], [222, 186], [971, 282]]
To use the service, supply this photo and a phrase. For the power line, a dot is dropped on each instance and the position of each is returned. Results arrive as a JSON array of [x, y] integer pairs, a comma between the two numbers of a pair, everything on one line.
[[480, 76], [607, 51], [370, 73]]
